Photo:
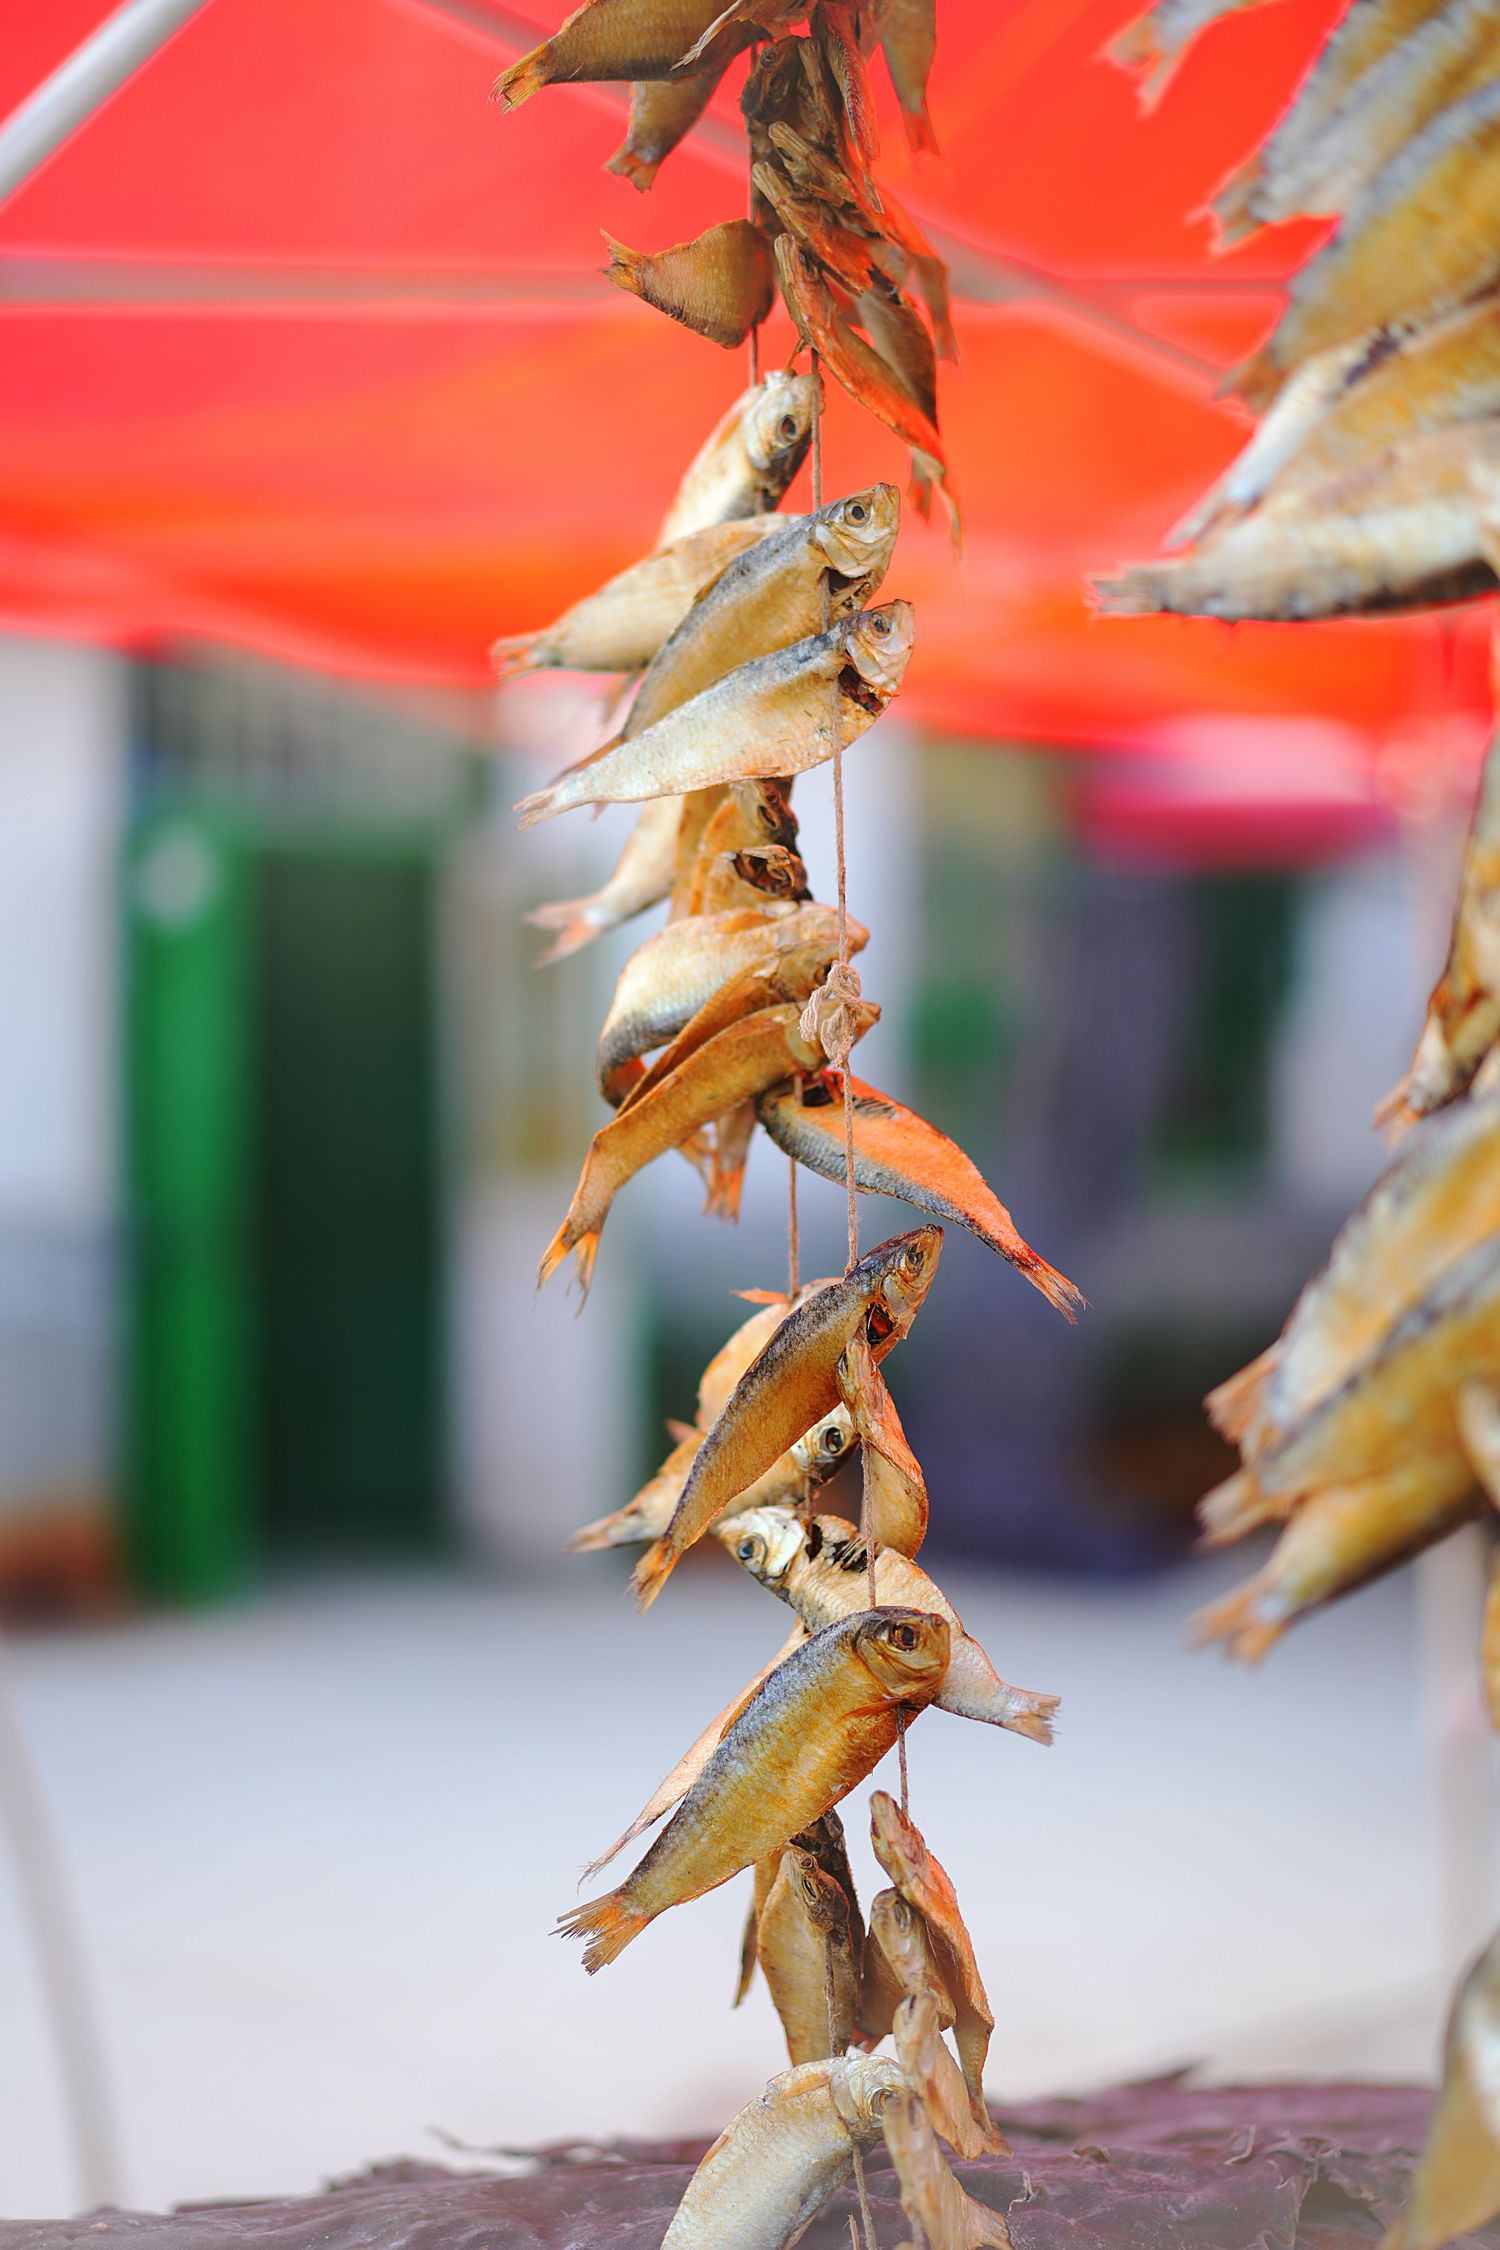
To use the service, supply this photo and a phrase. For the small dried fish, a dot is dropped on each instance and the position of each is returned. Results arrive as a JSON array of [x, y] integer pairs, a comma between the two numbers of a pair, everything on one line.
[[908, 36], [804, 1944], [791, 974], [771, 717], [1325, 166], [1463, 1011], [928, 2066], [634, 614], [663, 111], [893, 1510], [812, 1731], [820, 1570], [925, 1885], [748, 459], [721, 284], [732, 1067], [761, 871], [1404, 532], [937, 2209], [825, 1841], [1417, 241], [607, 39], [1155, 43], [898, 1153], [642, 877], [669, 978], [774, 2167], [1457, 2183], [793, 1384], [747, 816], [1438, 1199]]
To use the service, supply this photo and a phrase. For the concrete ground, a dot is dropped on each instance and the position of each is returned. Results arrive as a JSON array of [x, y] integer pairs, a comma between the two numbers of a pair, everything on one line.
[[316, 1847]]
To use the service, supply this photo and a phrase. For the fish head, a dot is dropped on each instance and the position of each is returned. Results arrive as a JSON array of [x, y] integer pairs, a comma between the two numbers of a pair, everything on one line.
[[776, 423], [821, 1895], [897, 1840], [856, 536], [826, 1446], [766, 1540], [901, 1271], [772, 870], [861, 2086], [767, 811], [879, 646], [907, 1651]]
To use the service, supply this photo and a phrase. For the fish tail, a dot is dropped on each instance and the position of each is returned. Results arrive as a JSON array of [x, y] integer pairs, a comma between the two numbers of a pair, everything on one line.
[[576, 923], [625, 264], [522, 80], [1233, 1508], [626, 165], [1233, 207], [605, 1531], [1055, 1287], [1240, 1622], [1140, 590], [541, 805], [555, 1252], [723, 1198], [920, 136], [1232, 1404], [1032, 1715], [513, 654], [652, 1572], [1393, 1113], [1255, 380], [608, 1924]]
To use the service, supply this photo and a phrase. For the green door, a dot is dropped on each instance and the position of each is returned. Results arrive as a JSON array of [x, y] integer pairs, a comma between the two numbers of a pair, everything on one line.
[[345, 1140]]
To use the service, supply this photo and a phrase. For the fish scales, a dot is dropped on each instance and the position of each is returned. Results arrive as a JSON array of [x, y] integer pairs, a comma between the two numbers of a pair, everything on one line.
[[819, 1723]]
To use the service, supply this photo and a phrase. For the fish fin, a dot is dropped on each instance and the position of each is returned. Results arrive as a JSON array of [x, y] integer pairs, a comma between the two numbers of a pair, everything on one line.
[[680, 1432], [607, 1924], [626, 165], [573, 920], [624, 268], [1256, 381], [1393, 1113], [1231, 1405], [763, 1296], [1136, 592], [642, 1821], [1034, 1718], [1233, 1508], [553, 1256], [723, 1198], [540, 805], [1055, 1287], [513, 654], [586, 1248], [1236, 1622], [522, 80], [1233, 207], [652, 1572], [920, 136], [593, 1538]]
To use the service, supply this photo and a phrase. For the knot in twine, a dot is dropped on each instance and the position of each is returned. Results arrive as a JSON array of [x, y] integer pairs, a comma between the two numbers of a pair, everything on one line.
[[828, 1018]]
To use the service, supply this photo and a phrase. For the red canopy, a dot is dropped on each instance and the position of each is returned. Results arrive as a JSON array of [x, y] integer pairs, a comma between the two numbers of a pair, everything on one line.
[[306, 347]]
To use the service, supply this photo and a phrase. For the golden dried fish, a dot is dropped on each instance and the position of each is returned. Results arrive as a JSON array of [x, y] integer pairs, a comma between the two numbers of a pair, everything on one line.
[[820, 1570], [607, 39], [745, 1346], [774, 2166], [837, 556], [1421, 238], [663, 111], [805, 1948], [811, 1732], [732, 1067], [634, 614], [669, 978], [1155, 43], [928, 2066], [825, 1841], [748, 459], [893, 1508], [1463, 1011], [738, 879], [642, 877], [1346, 407], [721, 284], [747, 816], [801, 1469], [905, 1944], [772, 716], [1438, 1198], [1324, 166], [1457, 2183], [908, 36], [1404, 532], [792, 1384], [1390, 1427], [925, 1885], [936, 2207], [898, 1153]]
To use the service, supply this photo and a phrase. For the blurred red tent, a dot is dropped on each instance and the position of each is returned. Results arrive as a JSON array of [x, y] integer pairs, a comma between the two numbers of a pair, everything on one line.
[[306, 348]]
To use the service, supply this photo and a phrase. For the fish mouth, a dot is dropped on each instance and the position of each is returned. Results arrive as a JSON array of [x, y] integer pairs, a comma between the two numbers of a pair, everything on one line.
[[879, 646]]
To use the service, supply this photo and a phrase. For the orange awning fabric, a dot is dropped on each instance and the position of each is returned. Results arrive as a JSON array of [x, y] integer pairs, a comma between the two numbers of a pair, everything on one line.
[[305, 347]]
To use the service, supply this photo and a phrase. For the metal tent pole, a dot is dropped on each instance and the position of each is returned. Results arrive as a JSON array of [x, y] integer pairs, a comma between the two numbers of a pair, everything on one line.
[[71, 94]]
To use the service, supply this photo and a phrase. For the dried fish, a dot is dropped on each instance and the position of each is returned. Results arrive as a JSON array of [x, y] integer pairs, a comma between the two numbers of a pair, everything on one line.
[[893, 1510], [928, 2067], [908, 36], [721, 285], [937, 2208], [1457, 2184], [1463, 1011], [772, 716], [898, 1153], [820, 1568], [663, 111], [805, 1947], [748, 459], [812, 1731], [926, 1886], [607, 39], [792, 1384], [1156, 42]]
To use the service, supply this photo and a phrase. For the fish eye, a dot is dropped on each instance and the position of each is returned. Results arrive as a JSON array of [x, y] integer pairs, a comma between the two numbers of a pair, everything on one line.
[[766, 815], [857, 511], [904, 1636], [786, 428], [880, 624], [748, 1549], [911, 1260], [833, 1439]]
